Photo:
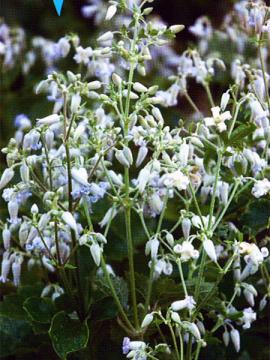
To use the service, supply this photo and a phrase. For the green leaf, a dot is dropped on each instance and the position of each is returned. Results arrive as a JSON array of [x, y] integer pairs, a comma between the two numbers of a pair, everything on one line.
[[13, 334], [12, 307], [67, 335], [39, 309], [257, 216], [241, 132]]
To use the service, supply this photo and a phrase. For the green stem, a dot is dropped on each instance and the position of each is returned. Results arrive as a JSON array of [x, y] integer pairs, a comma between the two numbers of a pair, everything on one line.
[[213, 199], [131, 266], [209, 94], [114, 295], [182, 277], [174, 341]]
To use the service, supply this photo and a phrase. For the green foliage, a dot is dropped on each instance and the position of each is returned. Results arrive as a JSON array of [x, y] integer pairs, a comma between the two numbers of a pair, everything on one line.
[[67, 335]]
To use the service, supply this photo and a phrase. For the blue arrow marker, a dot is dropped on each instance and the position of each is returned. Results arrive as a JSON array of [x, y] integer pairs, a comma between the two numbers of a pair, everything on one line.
[[58, 5]]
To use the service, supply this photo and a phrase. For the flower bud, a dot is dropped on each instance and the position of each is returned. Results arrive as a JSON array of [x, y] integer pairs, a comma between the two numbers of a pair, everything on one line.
[[108, 36], [157, 115], [80, 176], [16, 272], [176, 28], [111, 12], [34, 209], [117, 80], [6, 177], [170, 239], [13, 209], [186, 226], [175, 317], [226, 337], [6, 235], [68, 218], [96, 253], [210, 249], [235, 336], [75, 103], [131, 94], [94, 85], [140, 88], [141, 155], [147, 320], [48, 120]]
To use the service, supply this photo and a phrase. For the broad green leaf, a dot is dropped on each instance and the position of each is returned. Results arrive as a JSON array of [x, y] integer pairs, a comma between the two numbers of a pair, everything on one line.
[[241, 132], [257, 216], [67, 335], [13, 334], [39, 309]]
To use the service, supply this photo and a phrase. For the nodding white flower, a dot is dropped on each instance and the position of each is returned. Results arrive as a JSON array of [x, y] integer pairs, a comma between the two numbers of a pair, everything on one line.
[[13, 209], [6, 235], [143, 178], [109, 270], [111, 12], [210, 250], [175, 317], [186, 226], [24, 172], [186, 250], [224, 100], [226, 337], [75, 103], [110, 214], [47, 263], [80, 176], [155, 203], [140, 88], [68, 218], [253, 253], [201, 223], [49, 120], [147, 320], [6, 177], [83, 55], [193, 329], [16, 271], [187, 303], [96, 253], [152, 247], [248, 317], [107, 36], [43, 221], [175, 179], [143, 151], [249, 292], [218, 119], [235, 336], [261, 188], [5, 267], [157, 115]]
